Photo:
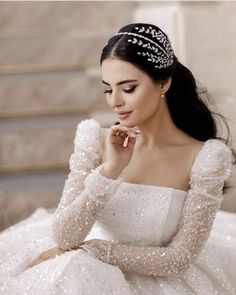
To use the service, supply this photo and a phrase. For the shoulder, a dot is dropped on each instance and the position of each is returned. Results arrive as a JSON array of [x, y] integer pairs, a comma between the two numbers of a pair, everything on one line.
[[214, 149], [212, 157], [90, 134], [87, 125], [196, 147]]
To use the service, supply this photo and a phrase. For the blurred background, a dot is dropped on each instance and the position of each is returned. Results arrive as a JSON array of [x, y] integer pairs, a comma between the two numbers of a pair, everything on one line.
[[50, 80]]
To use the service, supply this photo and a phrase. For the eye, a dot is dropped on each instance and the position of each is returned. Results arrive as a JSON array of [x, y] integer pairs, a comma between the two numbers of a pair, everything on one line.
[[107, 91], [125, 90], [130, 90]]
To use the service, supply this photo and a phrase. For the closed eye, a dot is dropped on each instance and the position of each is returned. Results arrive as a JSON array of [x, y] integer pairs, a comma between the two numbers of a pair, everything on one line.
[[125, 90]]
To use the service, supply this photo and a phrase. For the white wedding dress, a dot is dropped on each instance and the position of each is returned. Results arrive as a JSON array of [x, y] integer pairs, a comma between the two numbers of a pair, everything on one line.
[[154, 239]]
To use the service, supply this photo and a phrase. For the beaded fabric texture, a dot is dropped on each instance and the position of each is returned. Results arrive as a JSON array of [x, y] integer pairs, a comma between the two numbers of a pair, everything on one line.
[[85, 192], [155, 41], [140, 239], [76, 214]]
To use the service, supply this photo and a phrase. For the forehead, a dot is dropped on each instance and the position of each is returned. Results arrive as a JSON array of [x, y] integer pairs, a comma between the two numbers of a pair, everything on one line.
[[114, 70]]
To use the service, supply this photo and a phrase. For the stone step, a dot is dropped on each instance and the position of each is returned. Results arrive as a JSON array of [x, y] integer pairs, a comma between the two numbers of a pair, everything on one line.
[[22, 193], [65, 92], [49, 40], [37, 142], [34, 162], [42, 142], [25, 55], [61, 16]]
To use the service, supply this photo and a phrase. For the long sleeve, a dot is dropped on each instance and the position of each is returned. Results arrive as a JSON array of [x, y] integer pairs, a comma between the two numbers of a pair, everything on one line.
[[85, 192], [209, 171]]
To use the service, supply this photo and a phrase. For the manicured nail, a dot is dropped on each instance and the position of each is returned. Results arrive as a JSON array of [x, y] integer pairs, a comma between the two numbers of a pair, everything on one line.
[[125, 143]]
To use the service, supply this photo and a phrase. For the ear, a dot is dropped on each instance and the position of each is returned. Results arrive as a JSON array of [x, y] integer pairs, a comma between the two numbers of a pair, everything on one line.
[[165, 85]]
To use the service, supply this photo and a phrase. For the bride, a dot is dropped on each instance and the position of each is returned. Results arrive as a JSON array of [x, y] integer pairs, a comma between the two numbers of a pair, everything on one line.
[[139, 212]]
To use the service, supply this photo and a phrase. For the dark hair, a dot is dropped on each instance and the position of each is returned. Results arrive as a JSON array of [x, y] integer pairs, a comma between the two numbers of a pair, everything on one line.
[[189, 104]]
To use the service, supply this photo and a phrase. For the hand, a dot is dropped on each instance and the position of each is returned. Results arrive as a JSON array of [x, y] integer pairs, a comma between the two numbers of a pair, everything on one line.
[[118, 150], [48, 254], [98, 247]]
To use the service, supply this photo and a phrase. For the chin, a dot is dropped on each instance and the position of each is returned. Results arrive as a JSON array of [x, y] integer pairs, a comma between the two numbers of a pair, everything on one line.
[[128, 123]]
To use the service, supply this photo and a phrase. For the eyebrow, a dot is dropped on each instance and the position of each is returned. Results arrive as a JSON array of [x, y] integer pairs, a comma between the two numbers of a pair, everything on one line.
[[121, 82]]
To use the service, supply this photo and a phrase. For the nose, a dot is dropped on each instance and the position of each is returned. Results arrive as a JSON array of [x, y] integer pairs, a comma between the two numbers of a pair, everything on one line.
[[116, 100]]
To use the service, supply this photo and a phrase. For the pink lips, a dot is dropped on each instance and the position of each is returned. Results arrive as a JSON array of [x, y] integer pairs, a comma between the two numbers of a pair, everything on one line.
[[123, 115]]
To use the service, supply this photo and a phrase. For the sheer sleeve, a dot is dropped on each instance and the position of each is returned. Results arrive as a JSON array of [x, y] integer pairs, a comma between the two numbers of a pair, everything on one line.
[[210, 169], [85, 191]]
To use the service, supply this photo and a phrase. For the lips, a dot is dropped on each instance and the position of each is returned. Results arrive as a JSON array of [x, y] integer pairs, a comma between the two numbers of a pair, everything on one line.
[[123, 113]]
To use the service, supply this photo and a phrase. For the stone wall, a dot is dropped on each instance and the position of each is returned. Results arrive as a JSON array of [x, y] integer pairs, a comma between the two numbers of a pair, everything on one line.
[[50, 80]]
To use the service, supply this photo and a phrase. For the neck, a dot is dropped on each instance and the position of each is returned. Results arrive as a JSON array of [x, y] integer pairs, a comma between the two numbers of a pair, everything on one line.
[[158, 130]]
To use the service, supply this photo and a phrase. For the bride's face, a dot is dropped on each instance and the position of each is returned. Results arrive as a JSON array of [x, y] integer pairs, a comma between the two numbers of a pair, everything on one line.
[[128, 89]]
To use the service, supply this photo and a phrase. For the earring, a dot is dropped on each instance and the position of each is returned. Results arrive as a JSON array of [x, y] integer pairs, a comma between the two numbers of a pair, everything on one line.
[[162, 95]]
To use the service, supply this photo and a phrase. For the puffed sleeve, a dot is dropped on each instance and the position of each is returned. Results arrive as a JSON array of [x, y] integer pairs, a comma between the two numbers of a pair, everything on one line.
[[85, 191], [209, 171]]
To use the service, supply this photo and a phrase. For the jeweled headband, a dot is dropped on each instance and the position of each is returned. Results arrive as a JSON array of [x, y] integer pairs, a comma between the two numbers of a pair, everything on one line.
[[160, 45]]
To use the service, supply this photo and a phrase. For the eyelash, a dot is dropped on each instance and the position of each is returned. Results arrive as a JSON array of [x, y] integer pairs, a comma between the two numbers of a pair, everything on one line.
[[127, 91]]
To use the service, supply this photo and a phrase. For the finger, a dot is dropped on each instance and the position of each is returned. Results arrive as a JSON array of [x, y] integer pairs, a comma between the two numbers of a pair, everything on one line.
[[137, 130], [119, 128], [132, 129], [131, 141], [34, 262], [132, 132], [42, 257], [91, 250], [125, 143], [30, 265], [39, 260], [123, 132], [115, 130], [119, 134]]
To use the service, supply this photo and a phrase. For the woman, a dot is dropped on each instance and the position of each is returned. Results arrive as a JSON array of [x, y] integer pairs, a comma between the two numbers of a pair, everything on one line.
[[138, 210]]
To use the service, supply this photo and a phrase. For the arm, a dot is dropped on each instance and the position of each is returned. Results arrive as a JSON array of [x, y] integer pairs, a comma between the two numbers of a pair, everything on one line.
[[86, 190], [203, 199]]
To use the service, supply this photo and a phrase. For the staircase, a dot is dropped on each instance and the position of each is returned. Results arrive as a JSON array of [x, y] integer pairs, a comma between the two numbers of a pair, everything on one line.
[[50, 80]]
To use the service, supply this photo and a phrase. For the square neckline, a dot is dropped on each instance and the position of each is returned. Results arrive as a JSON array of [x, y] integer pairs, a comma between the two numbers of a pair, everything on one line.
[[169, 187], [159, 186], [153, 186]]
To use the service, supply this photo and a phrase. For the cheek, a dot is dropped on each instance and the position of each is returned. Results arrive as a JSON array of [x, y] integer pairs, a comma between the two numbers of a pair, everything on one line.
[[146, 102], [139, 100], [108, 101]]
